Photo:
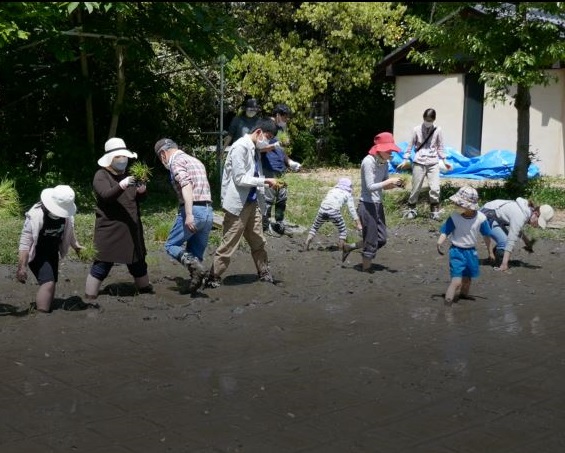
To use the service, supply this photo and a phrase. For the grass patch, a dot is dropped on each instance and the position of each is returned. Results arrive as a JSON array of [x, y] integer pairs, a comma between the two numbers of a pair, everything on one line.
[[306, 191]]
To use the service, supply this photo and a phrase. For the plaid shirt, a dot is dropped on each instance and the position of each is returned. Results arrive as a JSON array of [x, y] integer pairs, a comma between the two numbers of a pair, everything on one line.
[[186, 170]]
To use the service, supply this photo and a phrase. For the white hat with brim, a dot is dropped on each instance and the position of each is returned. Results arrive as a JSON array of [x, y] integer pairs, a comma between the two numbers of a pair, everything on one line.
[[115, 147], [466, 197], [546, 213], [60, 201]]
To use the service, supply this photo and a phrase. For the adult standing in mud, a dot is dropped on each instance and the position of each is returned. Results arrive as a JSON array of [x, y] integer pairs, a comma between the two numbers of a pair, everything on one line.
[[118, 230]]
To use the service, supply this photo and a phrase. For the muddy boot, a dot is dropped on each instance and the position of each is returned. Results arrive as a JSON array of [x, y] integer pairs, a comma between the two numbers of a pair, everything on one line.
[[435, 213], [367, 265], [410, 212], [195, 270]]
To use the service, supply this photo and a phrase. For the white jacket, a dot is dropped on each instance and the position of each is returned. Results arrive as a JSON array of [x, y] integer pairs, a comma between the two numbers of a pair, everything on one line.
[[238, 179], [32, 226], [512, 215]]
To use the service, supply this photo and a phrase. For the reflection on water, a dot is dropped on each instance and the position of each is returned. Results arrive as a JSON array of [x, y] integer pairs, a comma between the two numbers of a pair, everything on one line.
[[508, 322], [536, 327], [424, 314]]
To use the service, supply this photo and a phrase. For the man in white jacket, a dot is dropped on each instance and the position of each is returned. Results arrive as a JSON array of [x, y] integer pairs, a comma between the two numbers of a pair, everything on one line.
[[507, 219], [243, 202]]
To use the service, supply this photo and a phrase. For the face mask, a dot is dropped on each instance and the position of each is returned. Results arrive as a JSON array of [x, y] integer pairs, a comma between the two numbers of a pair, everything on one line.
[[120, 163], [428, 123], [250, 113], [53, 216], [281, 124], [263, 143]]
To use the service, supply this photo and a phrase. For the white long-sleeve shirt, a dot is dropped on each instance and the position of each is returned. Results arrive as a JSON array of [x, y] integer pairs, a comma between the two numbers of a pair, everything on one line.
[[32, 226], [336, 198], [238, 176], [512, 215]]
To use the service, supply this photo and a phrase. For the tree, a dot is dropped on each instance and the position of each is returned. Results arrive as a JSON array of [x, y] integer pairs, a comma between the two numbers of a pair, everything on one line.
[[301, 52], [508, 45], [60, 56]]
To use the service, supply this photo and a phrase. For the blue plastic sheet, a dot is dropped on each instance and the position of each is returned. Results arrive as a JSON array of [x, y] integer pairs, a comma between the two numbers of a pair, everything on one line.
[[495, 164]]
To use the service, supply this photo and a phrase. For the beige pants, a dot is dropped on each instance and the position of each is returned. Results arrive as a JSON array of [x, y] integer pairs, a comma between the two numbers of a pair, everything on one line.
[[248, 224], [419, 173]]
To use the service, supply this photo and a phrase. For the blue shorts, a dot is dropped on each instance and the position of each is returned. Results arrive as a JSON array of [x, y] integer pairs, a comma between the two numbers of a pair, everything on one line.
[[463, 262]]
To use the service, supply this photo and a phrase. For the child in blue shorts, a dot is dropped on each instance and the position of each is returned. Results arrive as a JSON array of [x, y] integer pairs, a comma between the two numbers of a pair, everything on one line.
[[464, 227]]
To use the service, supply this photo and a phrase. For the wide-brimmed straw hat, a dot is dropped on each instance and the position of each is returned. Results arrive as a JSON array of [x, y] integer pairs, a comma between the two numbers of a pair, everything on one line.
[[60, 201], [546, 213], [113, 148], [466, 197]]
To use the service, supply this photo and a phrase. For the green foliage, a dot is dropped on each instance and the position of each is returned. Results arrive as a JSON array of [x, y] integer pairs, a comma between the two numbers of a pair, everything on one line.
[[9, 199], [306, 191], [324, 47], [508, 45], [304, 149], [140, 171]]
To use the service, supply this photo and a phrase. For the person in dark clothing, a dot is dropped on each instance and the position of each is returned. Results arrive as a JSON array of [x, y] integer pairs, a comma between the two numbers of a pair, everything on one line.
[[275, 163], [244, 123], [118, 231]]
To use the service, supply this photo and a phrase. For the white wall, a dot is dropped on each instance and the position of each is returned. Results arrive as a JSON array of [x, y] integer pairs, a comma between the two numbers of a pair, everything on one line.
[[414, 94], [445, 94], [547, 135]]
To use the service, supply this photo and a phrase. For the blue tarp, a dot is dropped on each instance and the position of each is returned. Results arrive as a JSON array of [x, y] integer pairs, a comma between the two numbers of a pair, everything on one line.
[[495, 164]]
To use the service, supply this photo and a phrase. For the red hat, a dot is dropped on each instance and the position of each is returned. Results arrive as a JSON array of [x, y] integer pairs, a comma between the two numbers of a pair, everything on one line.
[[384, 142]]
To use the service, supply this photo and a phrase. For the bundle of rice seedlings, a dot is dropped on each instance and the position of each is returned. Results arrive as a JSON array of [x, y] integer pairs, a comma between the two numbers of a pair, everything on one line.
[[9, 199], [141, 172]]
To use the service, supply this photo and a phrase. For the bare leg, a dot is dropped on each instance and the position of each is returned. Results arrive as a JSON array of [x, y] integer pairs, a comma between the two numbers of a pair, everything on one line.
[[453, 291], [92, 287], [143, 285], [44, 297]]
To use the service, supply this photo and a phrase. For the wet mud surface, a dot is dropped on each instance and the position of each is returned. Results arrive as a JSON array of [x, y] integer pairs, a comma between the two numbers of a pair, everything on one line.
[[329, 359]]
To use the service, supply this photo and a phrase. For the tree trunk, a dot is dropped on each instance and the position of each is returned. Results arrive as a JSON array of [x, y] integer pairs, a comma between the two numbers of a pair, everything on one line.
[[522, 164], [88, 98], [120, 90]]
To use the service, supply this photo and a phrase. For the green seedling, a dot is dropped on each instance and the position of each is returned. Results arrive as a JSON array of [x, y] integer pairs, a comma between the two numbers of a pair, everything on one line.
[[141, 172]]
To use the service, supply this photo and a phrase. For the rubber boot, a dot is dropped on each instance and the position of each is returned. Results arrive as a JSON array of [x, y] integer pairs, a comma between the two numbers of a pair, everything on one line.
[[434, 212], [367, 264], [92, 287]]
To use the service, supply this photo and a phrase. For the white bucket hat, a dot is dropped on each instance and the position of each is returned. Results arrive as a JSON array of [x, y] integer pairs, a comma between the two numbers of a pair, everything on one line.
[[60, 201], [466, 197], [113, 148], [545, 215]]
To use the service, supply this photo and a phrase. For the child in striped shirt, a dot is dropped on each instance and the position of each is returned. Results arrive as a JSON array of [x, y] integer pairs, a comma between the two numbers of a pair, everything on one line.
[[330, 211]]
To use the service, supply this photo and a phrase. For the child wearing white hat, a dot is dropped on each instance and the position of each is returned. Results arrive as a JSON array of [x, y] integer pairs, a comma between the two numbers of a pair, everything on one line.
[[463, 227], [46, 236]]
